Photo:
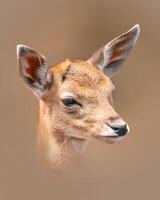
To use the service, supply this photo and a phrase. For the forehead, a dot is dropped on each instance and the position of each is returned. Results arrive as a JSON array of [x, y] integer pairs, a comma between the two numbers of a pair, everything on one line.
[[80, 77]]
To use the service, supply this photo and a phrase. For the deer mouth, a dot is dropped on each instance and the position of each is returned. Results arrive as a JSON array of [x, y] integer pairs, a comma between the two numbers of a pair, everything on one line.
[[110, 139]]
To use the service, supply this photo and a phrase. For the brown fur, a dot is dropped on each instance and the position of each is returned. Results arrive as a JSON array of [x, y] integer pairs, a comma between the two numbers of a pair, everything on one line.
[[90, 86]]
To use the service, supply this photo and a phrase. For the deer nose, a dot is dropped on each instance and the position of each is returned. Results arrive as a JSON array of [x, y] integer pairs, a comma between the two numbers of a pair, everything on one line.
[[121, 130]]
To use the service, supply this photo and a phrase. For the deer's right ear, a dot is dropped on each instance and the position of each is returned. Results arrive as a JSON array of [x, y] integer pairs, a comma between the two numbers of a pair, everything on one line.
[[33, 70]]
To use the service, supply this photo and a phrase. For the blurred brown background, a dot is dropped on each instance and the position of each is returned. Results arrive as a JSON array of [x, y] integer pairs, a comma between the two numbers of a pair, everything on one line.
[[74, 29]]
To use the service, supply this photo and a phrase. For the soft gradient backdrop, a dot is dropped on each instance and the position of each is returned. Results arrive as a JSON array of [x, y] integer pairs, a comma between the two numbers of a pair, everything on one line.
[[74, 29]]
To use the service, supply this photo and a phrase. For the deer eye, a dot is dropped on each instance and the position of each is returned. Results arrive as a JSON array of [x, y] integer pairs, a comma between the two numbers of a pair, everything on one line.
[[69, 102]]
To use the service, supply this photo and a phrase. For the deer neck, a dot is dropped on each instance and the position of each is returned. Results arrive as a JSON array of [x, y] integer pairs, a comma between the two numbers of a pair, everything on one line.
[[55, 145]]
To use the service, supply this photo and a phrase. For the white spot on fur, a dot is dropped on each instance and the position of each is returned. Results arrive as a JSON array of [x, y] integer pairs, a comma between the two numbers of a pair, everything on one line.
[[108, 132], [79, 145]]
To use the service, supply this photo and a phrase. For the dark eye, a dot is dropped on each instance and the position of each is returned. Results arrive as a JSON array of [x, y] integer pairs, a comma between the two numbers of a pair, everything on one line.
[[69, 102]]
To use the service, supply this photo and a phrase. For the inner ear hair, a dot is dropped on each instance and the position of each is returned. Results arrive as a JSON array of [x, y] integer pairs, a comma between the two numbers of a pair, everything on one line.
[[110, 57], [33, 69]]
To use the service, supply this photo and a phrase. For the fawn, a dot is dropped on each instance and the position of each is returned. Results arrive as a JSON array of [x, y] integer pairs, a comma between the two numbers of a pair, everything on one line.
[[75, 97]]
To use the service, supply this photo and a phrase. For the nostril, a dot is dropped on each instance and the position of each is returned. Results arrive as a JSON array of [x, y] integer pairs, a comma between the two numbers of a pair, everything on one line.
[[116, 128], [120, 130]]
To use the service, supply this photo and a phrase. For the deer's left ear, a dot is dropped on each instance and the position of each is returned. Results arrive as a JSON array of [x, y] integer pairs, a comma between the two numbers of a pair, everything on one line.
[[33, 70], [110, 57]]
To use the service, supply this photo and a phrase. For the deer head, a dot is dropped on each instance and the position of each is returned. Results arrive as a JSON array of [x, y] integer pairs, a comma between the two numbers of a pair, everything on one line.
[[75, 96]]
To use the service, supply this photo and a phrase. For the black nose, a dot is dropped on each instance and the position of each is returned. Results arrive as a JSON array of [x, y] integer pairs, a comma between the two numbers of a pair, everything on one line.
[[120, 130]]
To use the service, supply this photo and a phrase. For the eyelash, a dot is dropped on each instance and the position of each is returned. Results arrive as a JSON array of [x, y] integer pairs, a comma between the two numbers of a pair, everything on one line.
[[70, 102]]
